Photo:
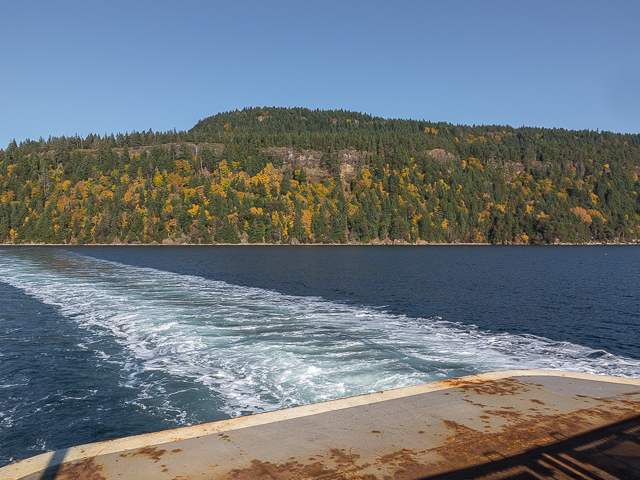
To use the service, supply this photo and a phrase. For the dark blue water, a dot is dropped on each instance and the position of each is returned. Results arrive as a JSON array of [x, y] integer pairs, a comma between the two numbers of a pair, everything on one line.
[[103, 342], [584, 294]]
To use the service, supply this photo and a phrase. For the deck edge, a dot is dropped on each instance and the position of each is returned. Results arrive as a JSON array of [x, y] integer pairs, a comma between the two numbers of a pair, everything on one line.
[[38, 463]]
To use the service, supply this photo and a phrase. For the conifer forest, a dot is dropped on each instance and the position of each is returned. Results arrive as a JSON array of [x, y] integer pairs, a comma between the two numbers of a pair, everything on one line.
[[294, 175]]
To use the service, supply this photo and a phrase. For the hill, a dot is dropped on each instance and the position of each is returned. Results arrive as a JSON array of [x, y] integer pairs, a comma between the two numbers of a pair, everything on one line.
[[294, 175]]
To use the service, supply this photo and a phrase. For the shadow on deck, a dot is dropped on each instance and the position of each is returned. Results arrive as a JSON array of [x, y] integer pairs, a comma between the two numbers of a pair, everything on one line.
[[612, 452]]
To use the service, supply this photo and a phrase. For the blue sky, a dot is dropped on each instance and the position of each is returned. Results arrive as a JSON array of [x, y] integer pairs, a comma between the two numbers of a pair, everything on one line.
[[72, 67]]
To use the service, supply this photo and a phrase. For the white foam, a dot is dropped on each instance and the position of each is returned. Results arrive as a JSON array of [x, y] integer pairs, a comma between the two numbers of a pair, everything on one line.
[[6, 420], [259, 350]]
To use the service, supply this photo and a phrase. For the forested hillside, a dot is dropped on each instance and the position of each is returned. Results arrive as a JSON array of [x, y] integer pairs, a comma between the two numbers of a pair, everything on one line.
[[300, 176]]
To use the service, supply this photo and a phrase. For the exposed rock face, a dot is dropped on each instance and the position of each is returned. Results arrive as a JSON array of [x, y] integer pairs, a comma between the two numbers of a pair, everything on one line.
[[311, 160], [308, 159], [440, 155], [350, 160]]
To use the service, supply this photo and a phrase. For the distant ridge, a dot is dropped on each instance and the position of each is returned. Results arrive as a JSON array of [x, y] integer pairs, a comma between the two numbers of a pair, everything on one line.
[[295, 175]]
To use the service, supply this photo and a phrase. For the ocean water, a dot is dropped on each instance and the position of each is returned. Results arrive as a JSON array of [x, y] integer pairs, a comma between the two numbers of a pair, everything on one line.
[[104, 342]]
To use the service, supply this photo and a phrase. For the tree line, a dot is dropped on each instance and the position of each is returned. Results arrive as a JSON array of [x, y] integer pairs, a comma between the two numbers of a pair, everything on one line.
[[223, 181]]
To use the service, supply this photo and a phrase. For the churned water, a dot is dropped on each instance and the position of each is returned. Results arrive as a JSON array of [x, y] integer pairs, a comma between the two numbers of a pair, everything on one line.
[[103, 342]]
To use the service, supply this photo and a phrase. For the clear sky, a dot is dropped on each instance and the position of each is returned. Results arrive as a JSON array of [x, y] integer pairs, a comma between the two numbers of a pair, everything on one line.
[[112, 66]]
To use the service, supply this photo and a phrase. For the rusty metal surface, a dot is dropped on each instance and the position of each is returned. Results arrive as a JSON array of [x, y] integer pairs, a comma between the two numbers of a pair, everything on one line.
[[471, 425], [609, 453]]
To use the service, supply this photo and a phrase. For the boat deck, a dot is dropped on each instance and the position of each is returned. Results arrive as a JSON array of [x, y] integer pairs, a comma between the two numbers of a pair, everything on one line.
[[519, 424]]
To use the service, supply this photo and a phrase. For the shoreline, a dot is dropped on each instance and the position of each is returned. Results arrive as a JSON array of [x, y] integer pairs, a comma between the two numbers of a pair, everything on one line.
[[369, 244]]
